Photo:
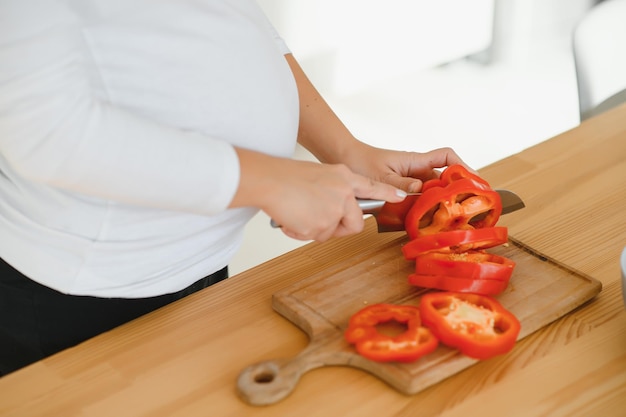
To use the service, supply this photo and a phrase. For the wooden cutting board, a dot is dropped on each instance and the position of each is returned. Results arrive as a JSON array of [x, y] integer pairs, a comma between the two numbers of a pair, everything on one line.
[[540, 291]]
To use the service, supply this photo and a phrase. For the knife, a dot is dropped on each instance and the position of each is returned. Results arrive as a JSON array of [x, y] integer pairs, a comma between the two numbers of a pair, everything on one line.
[[390, 216]]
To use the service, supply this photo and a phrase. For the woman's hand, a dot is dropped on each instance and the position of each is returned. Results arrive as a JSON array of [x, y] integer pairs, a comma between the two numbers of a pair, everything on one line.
[[404, 170], [311, 201], [326, 137]]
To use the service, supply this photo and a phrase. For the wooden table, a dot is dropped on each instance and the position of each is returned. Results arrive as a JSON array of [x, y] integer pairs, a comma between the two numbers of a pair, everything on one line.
[[184, 360]]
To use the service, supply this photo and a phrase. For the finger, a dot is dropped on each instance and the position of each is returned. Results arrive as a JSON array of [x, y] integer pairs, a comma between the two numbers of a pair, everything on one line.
[[352, 222], [408, 184], [319, 235], [368, 188], [349, 223], [297, 235], [320, 230], [444, 157], [413, 185]]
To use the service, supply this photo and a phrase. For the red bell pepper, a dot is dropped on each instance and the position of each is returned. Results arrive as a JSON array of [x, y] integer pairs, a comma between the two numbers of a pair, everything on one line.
[[455, 241], [478, 326], [471, 272], [415, 342], [456, 284], [451, 174], [462, 204], [435, 182], [458, 172], [471, 264]]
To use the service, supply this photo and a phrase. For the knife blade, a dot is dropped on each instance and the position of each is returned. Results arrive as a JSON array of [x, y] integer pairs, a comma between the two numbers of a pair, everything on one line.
[[390, 216]]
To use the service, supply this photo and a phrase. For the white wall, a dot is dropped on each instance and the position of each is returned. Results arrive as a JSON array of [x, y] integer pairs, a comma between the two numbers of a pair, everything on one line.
[[524, 29], [344, 45]]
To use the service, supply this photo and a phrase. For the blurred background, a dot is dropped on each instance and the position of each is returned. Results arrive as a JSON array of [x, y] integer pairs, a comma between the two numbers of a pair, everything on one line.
[[488, 78]]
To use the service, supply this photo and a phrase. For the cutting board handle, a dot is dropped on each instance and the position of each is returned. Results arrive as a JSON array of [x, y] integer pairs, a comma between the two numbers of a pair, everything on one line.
[[268, 382]]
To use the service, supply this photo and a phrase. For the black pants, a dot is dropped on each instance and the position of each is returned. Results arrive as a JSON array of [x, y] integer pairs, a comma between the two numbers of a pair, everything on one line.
[[36, 321]]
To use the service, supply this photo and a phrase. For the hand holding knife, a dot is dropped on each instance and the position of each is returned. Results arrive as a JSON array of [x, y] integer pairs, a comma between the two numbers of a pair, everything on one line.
[[381, 209]]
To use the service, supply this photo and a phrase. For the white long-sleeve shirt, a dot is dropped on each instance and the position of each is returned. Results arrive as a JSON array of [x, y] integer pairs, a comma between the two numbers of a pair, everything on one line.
[[117, 125]]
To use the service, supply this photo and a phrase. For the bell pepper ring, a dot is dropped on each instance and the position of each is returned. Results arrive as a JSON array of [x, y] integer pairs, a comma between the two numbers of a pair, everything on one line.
[[477, 325], [455, 284], [455, 241], [408, 346], [470, 265]]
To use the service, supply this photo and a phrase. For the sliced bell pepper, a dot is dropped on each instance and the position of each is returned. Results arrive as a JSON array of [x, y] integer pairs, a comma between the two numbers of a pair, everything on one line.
[[456, 284], [458, 172], [408, 346], [455, 241], [394, 214], [451, 174], [470, 264], [462, 204], [469, 272], [477, 325]]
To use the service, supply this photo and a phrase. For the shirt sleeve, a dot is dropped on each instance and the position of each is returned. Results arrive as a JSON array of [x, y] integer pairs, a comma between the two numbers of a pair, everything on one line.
[[280, 42], [55, 130]]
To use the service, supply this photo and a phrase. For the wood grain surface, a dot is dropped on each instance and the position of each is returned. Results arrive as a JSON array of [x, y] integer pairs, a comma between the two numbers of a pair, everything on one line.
[[185, 359]]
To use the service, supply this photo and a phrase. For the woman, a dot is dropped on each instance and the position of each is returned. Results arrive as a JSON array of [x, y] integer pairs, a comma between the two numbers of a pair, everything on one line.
[[137, 138]]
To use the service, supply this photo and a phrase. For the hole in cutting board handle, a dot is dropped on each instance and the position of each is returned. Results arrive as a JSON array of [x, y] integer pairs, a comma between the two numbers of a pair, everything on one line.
[[267, 382], [264, 377]]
